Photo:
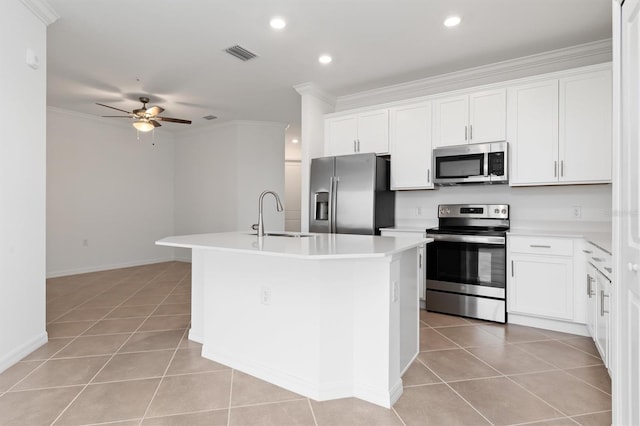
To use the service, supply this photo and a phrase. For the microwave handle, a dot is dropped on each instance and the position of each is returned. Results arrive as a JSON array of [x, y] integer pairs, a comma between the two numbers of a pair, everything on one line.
[[486, 164]]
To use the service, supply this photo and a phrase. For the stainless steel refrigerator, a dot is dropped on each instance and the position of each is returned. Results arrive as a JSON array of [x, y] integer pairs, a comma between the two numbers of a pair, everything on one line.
[[349, 194]]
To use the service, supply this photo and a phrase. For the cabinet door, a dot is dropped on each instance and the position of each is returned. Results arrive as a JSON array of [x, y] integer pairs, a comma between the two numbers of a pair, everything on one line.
[[585, 128], [533, 133], [488, 116], [541, 286], [341, 134], [422, 272], [591, 300], [373, 132], [450, 121], [603, 296], [411, 147]]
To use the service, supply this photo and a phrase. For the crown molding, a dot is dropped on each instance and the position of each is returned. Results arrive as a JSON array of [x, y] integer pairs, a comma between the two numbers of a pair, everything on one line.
[[439, 83], [315, 91], [42, 10]]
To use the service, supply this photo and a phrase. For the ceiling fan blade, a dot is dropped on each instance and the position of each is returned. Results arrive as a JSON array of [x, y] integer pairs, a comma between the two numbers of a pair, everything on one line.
[[155, 123], [173, 120], [117, 109], [116, 116], [154, 110]]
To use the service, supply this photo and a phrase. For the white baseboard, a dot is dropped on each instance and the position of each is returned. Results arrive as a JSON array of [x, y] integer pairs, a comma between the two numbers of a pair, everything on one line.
[[549, 324], [85, 270], [23, 350]]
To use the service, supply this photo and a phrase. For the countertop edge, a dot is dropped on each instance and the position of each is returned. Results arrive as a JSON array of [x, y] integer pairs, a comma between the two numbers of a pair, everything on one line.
[[408, 246]]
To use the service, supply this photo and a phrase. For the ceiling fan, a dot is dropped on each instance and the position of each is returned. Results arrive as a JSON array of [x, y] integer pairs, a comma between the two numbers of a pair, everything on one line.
[[146, 119]]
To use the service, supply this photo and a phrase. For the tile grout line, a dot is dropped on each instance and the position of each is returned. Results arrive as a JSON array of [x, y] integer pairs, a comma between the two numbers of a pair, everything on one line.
[[511, 380], [115, 352], [398, 416], [454, 391], [313, 414], [144, 415], [230, 395], [73, 338]]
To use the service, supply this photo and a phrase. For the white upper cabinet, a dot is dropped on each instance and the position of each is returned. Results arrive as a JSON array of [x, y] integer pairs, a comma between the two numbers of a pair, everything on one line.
[[488, 116], [533, 132], [585, 128], [357, 133], [410, 146], [560, 130], [475, 118], [451, 121]]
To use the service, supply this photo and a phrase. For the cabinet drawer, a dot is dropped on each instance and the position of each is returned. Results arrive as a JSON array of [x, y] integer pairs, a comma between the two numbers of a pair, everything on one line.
[[541, 245], [600, 259]]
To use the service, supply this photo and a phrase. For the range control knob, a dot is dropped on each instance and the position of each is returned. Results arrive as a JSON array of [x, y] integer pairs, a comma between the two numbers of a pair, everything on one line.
[[448, 211], [504, 211], [496, 211]]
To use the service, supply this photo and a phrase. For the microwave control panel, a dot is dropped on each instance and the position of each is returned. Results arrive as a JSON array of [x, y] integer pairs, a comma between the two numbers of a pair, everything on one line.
[[496, 163]]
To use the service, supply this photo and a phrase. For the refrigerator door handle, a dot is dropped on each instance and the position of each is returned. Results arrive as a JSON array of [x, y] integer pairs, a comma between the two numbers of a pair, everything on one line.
[[332, 205]]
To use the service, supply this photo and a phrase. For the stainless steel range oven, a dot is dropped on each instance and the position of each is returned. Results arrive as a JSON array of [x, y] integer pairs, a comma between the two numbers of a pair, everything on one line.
[[466, 263]]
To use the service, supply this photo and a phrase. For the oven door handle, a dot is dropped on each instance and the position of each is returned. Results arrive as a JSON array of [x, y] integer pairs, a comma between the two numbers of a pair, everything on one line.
[[479, 239]]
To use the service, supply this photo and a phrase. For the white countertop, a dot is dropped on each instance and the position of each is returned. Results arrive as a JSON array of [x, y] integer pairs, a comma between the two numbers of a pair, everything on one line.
[[317, 246], [597, 238]]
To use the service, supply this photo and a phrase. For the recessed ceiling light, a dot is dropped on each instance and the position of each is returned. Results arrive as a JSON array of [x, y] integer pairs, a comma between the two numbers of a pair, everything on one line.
[[294, 141], [452, 21], [277, 23], [325, 59]]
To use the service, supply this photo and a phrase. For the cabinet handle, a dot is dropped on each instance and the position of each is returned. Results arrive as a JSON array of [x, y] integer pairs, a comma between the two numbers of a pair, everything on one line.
[[354, 146], [602, 310], [358, 145], [470, 131], [587, 251], [555, 169], [609, 270], [589, 286], [420, 260], [428, 175], [562, 168], [465, 133], [538, 246], [597, 259], [512, 268]]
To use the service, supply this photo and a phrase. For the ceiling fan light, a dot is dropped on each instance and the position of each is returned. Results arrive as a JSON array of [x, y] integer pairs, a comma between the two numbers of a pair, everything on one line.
[[143, 125]]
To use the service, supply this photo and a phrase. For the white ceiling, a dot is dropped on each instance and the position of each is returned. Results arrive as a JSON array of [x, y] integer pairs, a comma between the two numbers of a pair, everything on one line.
[[113, 51]]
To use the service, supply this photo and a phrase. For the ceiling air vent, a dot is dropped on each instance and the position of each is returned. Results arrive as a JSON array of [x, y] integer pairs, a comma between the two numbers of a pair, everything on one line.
[[240, 52], [209, 117]]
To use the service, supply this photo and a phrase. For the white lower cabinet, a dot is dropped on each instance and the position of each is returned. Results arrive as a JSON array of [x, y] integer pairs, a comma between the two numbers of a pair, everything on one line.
[[422, 254], [541, 283], [591, 299], [602, 320], [541, 286]]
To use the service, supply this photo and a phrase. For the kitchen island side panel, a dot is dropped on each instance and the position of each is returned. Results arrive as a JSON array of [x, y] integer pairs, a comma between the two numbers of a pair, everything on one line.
[[326, 329]]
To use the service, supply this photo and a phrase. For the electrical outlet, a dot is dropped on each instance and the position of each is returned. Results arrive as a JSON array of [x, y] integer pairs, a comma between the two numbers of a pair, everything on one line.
[[265, 295], [395, 290], [577, 212]]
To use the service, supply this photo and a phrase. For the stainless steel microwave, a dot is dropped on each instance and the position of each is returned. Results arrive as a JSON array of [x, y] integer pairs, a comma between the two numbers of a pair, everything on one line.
[[472, 163]]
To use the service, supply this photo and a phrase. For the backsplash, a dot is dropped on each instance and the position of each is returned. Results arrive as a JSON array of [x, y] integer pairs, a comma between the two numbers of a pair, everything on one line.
[[544, 206]]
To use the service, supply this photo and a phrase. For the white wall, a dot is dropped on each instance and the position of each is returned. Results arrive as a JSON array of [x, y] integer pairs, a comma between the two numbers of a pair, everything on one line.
[[22, 183], [292, 196], [109, 195], [221, 171], [541, 206]]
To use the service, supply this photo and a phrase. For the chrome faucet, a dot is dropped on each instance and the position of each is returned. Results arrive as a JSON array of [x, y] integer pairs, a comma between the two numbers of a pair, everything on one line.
[[260, 225]]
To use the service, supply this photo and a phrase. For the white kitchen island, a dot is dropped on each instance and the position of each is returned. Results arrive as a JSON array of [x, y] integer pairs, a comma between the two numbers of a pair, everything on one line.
[[327, 316]]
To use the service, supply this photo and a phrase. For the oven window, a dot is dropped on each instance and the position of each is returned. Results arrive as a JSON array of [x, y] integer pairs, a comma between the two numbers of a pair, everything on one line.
[[467, 263], [460, 166]]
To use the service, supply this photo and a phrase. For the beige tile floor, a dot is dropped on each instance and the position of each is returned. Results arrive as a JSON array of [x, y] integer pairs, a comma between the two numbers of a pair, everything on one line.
[[118, 354]]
